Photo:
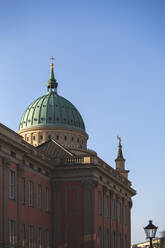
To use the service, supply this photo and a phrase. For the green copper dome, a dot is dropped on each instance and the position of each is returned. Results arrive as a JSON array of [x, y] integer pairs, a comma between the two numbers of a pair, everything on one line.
[[52, 110]]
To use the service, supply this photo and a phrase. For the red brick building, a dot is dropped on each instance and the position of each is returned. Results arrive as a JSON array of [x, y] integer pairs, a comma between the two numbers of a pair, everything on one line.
[[54, 192]]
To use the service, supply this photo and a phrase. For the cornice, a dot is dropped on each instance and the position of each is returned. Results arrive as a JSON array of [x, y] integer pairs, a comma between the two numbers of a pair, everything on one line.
[[45, 129], [61, 170]]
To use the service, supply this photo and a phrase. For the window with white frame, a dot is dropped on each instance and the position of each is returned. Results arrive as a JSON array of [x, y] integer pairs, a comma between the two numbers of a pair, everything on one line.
[[40, 237], [47, 199], [39, 196], [107, 239], [114, 240], [100, 238], [23, 234], [47, 238], [119, 241], [125, 241], [31, 194], [12, 185], [12, 230], [31, 236]]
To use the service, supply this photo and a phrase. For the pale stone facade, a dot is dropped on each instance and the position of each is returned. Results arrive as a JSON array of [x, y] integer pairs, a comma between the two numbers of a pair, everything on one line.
[[70, 138]]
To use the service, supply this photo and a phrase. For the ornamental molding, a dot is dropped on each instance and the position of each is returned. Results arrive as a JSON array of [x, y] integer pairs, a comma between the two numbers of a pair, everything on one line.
[[89, 182]]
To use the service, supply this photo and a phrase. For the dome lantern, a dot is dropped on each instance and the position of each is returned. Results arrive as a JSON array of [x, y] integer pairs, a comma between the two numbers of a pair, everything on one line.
[[52, 83]]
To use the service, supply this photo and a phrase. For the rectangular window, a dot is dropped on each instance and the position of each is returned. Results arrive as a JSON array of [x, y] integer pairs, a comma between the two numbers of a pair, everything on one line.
[[47, 199], [40, 237], [12, 232], [23, 234], [119, 241], [107, 239], [39, 196], [31, 236], [125, 241], [12, 185], [100, 199], [114, 240], [23, 190], [31, 194], [100, 238], [47, 238]]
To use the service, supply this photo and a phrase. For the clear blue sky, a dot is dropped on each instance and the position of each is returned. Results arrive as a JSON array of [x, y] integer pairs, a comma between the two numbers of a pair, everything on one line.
[[110, 61]]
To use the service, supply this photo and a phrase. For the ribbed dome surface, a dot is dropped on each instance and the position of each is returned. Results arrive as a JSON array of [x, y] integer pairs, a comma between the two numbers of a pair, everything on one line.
[[52, 110]]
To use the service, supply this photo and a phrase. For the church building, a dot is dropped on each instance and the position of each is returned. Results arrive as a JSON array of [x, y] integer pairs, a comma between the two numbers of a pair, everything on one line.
[[54, 191]]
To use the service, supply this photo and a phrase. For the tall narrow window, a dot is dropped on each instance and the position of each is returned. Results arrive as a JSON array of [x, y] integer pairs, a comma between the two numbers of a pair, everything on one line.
[[31, 194], [114, 240], [119, 241], [47, 198], [39, 196], [100, 199], [40, 237], [31, 236], [47, 238], [107, 239], [12, 232], [100, 237], [125, 241], [23, 234], [23, 190], [12, 185]]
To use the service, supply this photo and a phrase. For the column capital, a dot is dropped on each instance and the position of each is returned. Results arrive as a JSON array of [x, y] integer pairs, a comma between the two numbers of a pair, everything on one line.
[[88, 182], [104, 189], [111, 193], [130, 203]]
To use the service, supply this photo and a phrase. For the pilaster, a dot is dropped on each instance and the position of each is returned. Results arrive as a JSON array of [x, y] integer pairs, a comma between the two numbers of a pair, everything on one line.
[[129, 224], [5, 231], [56, 212], [89, 213], [104, 214], [111, 231], [20, 172]]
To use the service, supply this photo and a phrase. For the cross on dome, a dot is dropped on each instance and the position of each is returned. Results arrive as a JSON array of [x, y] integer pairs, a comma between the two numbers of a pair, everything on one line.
[[52, 58]]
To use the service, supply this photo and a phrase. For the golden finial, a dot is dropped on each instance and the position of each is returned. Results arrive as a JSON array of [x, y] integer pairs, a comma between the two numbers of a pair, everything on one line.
[[119, 139], [52, 64]]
